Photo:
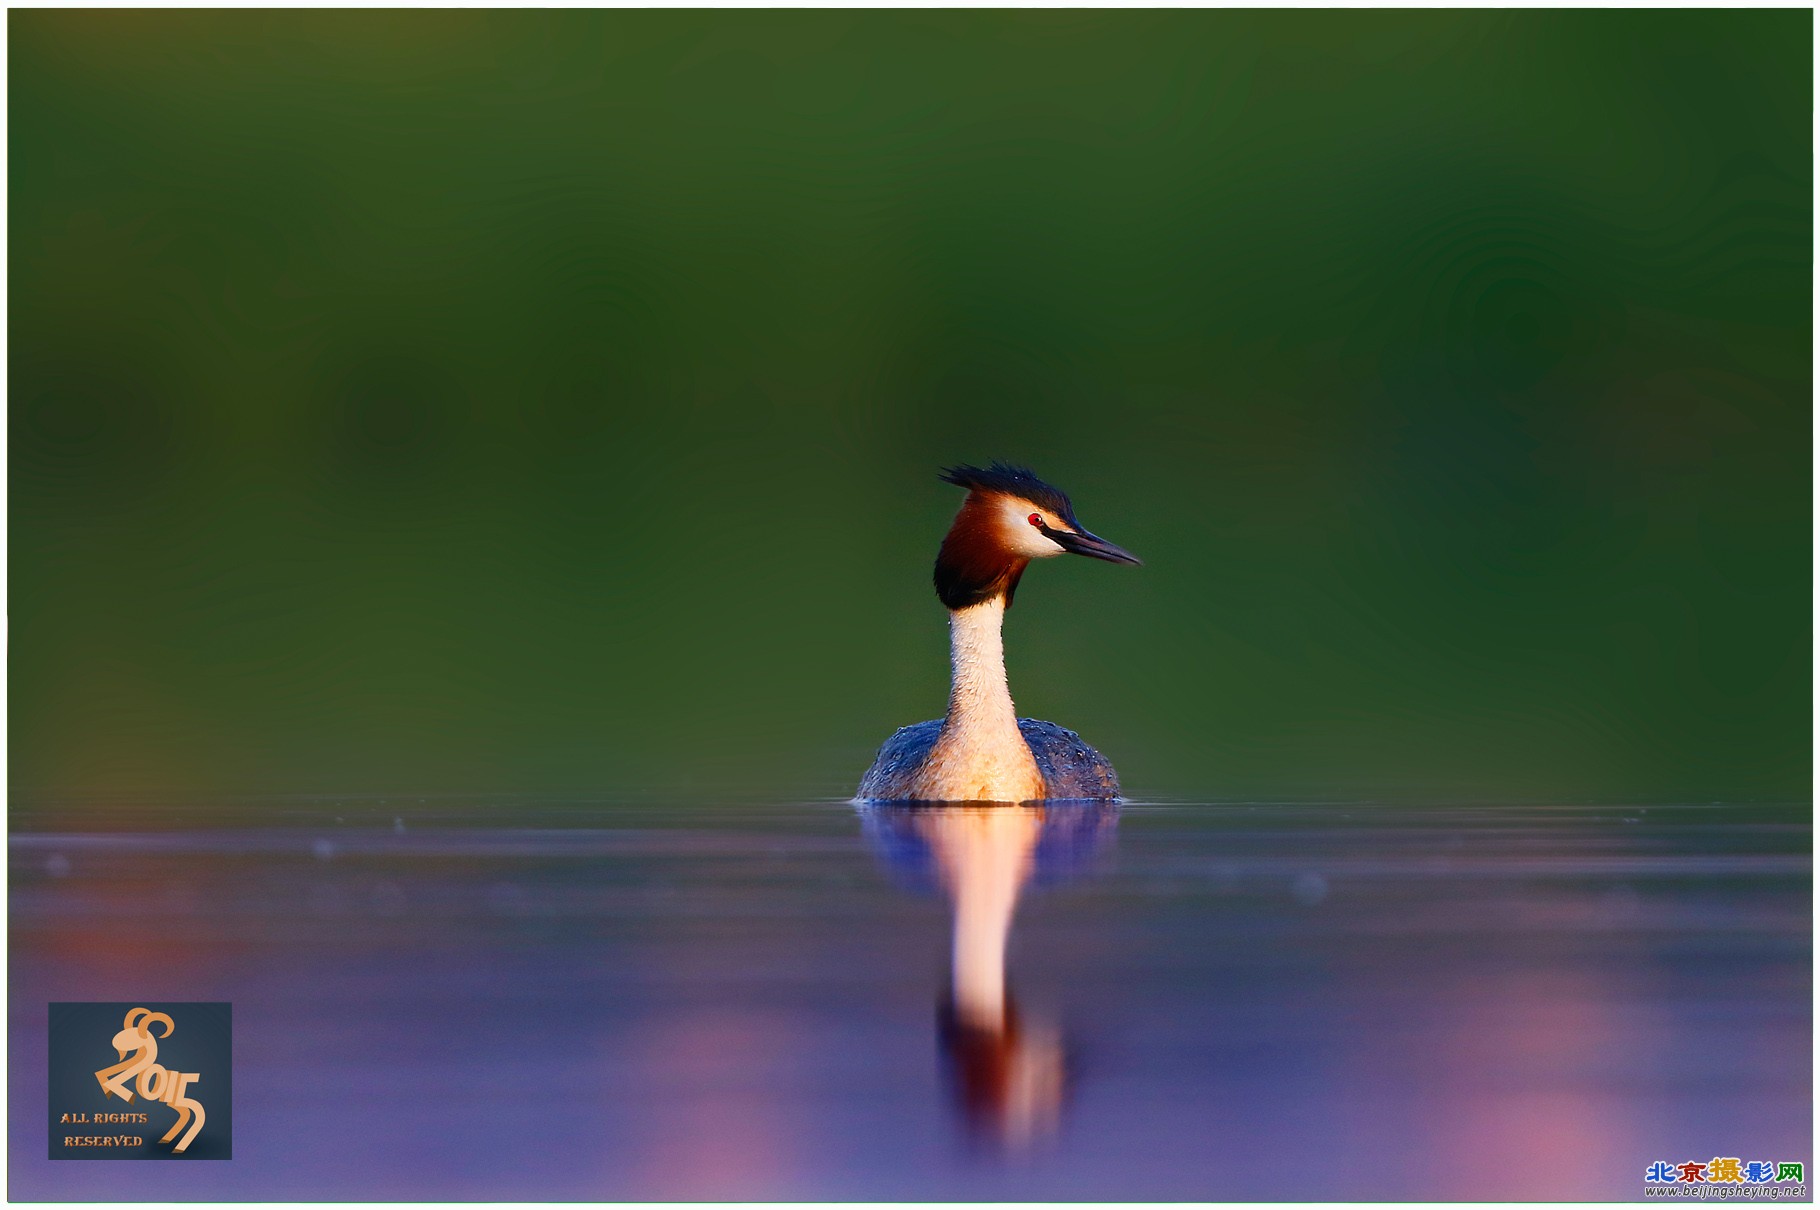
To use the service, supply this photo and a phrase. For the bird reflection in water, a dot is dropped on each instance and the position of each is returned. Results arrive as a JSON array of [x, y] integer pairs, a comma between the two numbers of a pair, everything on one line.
[[1008, 1072]]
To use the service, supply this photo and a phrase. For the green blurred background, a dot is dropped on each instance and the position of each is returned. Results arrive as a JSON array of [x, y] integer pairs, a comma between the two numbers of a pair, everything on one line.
[[464, 401]]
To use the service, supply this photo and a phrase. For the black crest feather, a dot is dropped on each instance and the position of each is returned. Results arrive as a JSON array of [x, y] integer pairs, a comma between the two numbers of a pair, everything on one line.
[[1017, 481]]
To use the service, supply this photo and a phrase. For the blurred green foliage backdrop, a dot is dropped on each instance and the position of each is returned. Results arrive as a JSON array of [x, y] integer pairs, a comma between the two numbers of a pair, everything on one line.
[[451, 401]]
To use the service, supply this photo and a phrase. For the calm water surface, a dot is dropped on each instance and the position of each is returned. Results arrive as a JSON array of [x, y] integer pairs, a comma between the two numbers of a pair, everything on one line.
[[539, 999]]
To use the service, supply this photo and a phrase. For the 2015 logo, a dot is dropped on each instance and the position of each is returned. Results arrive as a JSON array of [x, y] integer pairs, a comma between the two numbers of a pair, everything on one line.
[[170, 1071], [153, 1081]]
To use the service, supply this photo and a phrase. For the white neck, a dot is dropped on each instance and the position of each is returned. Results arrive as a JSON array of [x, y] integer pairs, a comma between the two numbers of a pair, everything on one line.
[[980, 698], [980, 755]]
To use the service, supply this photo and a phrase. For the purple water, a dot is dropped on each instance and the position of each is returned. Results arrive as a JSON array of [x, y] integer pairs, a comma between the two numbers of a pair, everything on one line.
[[555, 1000]]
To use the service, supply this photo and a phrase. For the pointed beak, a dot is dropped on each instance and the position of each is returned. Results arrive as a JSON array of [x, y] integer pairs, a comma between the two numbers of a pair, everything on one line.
[[1080, 542]]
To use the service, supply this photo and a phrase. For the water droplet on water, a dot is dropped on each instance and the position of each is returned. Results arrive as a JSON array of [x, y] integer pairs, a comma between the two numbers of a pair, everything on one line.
[[1309, 889]]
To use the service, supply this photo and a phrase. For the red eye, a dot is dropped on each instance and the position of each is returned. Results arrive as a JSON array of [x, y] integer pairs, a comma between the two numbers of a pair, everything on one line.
[[1036, 519]]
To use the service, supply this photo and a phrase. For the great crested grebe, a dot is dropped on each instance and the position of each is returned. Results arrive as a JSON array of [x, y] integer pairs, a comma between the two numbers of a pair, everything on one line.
[[983, 752]]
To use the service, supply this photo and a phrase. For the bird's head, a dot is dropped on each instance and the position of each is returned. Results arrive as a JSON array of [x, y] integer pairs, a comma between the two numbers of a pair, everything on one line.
[[1009, 518]]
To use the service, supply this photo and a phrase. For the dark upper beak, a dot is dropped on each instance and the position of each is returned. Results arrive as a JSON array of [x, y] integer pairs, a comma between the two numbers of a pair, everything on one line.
[[1080, 542]]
